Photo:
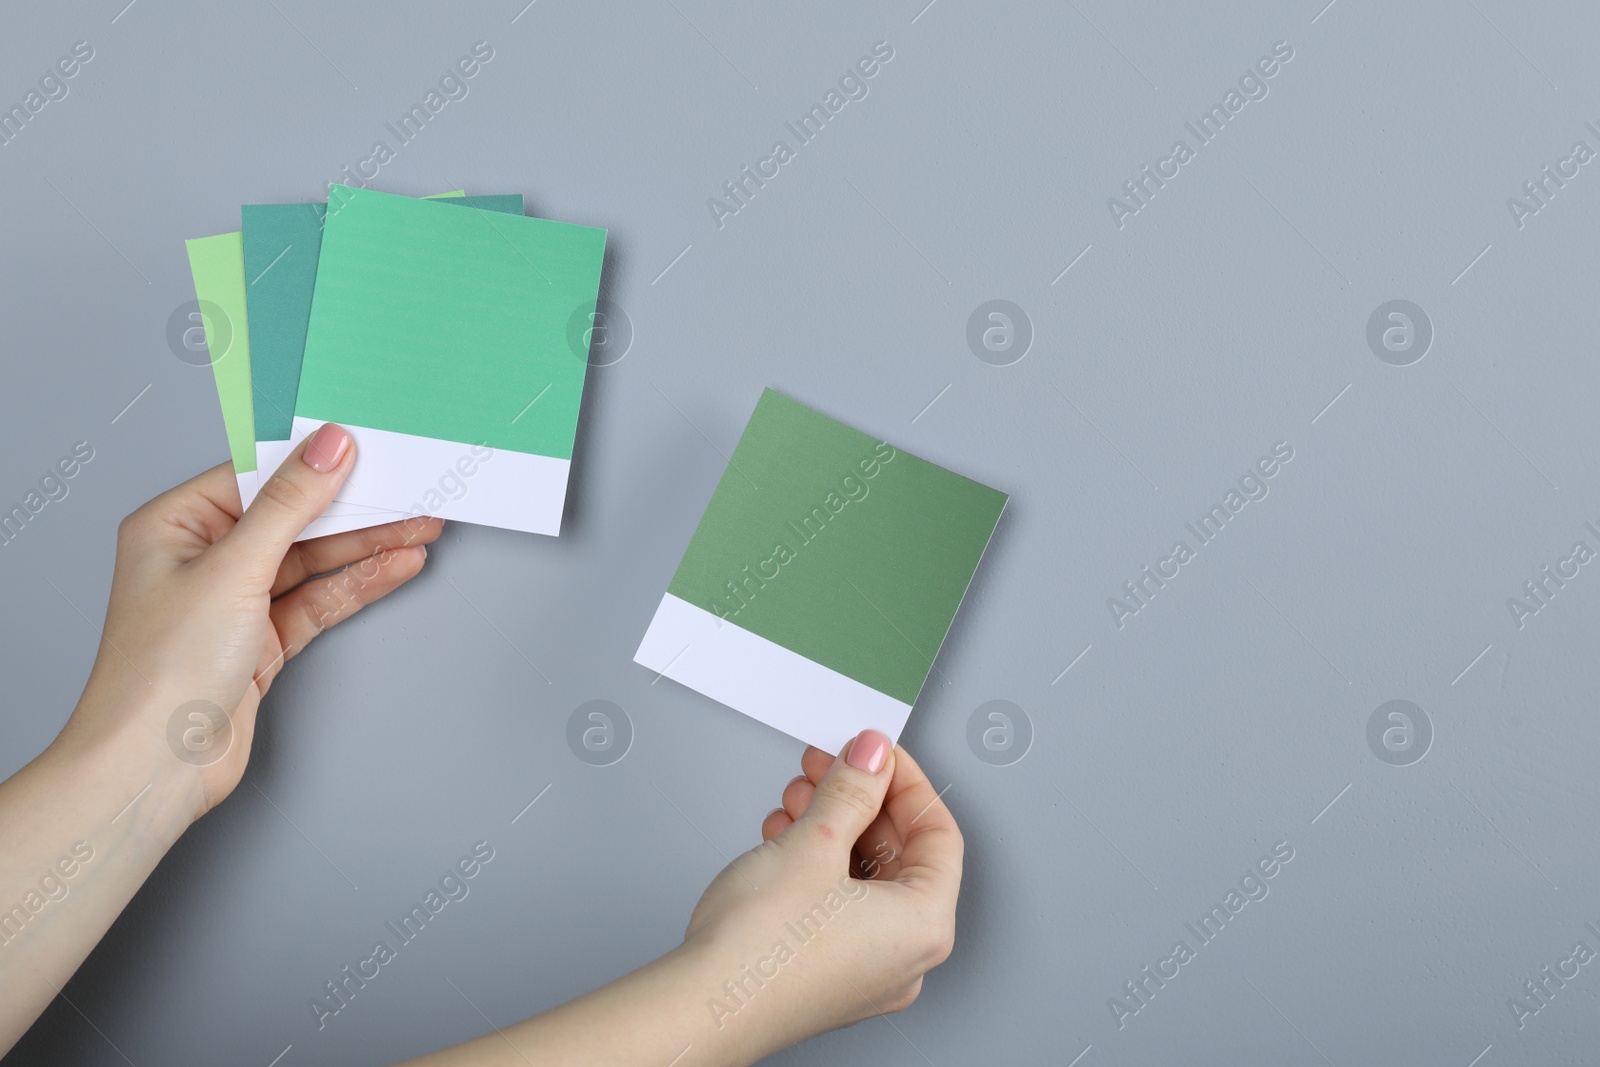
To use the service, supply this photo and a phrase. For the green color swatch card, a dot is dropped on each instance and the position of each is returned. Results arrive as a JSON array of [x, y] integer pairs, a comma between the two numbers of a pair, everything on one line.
[[822, 579], [442, 340], [217, 264], [281, 247]]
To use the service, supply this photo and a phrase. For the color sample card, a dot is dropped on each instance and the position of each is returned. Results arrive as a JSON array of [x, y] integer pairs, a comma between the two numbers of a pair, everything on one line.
[[281, 242], [281, 248], [441, 339], [217, 265], [822, 579]]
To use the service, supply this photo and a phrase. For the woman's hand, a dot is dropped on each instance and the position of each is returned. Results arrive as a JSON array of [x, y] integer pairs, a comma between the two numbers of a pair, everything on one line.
[[847, 903], [206, 607], [834, 918]]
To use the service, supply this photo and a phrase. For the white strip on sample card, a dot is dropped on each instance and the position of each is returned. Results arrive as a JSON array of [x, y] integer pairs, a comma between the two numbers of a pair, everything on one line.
[[783, 689]]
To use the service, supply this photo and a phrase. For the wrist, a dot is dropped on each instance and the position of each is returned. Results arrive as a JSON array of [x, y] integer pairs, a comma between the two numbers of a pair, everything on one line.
[[748, 998], [116, 756]]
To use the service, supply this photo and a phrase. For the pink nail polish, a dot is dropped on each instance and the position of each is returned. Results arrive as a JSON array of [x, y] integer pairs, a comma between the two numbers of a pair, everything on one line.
[[326, 447], [870, 752]]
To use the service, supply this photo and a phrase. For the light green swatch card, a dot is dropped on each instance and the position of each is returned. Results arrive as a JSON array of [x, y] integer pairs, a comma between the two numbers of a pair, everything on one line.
[[822, 579], [439, 337], [217, 265]]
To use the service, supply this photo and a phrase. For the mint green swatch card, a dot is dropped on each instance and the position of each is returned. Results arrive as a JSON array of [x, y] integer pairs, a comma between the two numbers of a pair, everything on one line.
[[822, 579], [442, 340], [281, 247], [281, 243]]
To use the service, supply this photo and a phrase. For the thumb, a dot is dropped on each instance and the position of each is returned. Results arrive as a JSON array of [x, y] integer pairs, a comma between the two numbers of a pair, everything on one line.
[[851, 794], [298, 491]]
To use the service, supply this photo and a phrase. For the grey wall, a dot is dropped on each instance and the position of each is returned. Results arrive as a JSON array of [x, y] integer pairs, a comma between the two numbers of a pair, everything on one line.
[[1224, 316]]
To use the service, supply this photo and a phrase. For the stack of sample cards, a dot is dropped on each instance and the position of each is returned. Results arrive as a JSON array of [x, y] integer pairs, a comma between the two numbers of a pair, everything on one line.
[[437, 331], [822, 579]]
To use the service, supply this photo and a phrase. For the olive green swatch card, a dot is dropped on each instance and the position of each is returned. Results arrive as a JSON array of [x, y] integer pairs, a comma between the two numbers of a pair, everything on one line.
[[822, 579]]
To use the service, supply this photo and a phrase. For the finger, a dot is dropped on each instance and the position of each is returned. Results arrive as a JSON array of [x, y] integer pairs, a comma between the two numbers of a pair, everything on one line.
[[814, 763], [851, 794], [931, 842], [206, 506], [320, 555], [217, 486], [879, 849], [299, 490], [797, 795], [776, 822], [303, 613]]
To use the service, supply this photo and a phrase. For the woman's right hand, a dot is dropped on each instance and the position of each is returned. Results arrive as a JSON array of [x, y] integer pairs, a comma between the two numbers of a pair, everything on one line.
[[847, 903], [833, 918]]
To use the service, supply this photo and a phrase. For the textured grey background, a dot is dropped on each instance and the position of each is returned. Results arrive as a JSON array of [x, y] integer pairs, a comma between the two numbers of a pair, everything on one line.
[[1222, 318]]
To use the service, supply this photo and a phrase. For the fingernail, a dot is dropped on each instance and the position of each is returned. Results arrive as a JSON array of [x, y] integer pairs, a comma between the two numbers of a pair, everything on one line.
[[869, 752], [326, 447]]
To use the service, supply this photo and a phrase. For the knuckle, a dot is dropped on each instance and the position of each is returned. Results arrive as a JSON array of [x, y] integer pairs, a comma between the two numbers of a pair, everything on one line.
[[795, 842], [940, 946], [340, 594], [319, 616], [133, 527], [417, 527], [953, 844], [937, 940], [283, 492], [837, 790], [905, 997], [368, 569]]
